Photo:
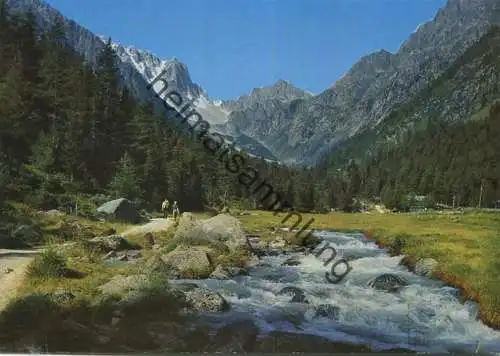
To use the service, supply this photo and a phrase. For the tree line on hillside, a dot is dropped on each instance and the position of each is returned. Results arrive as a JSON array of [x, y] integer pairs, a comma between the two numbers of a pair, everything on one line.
[[69, 129], [451, 163]]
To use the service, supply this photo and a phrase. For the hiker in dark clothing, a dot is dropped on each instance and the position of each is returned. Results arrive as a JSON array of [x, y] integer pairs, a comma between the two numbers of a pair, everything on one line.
[[175, 210]]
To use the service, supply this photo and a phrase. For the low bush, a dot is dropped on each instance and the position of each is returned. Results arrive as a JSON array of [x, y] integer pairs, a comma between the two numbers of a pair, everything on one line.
[[48, 265]]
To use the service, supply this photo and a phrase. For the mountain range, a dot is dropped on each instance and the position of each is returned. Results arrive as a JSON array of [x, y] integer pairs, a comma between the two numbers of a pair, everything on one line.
[[284, 123]]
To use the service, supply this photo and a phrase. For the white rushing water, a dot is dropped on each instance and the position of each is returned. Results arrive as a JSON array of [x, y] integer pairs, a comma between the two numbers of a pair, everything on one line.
[[426, 315]]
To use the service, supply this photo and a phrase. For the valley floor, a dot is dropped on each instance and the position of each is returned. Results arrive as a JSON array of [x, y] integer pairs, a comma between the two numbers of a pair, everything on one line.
[[466, 245]]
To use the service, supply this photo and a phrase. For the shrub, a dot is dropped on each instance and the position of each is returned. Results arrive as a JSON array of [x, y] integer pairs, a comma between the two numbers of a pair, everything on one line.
[[48, 265]]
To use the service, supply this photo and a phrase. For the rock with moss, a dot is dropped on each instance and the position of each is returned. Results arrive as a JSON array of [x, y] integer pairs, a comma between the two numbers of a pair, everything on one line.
[[110, 243], [189, 261], [170, 336]]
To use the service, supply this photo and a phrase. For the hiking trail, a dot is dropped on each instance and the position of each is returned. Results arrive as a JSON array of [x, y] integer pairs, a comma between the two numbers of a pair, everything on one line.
[[17, 261], [155, 225]]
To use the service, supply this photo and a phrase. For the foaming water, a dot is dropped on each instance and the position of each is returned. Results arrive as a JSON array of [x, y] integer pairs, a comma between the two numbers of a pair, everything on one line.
[[425, 316]]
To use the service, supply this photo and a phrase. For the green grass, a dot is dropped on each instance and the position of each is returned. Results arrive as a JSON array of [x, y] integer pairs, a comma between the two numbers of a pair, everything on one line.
[[466, 246]]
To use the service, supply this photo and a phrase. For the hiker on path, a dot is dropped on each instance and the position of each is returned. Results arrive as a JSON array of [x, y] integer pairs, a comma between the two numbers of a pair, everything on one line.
[[175, 210], [164, 208]]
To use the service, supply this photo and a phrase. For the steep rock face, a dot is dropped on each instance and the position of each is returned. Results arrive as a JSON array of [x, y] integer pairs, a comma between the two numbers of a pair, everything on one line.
[[464, 91], [281, 91], [265, 114], [286, 122], [374, 85], [137, 68], [150, 66]]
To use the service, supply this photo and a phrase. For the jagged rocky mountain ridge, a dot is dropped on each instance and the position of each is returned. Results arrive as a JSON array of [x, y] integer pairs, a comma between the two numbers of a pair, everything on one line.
[[299, 128], [467, 90], [374, 86], [289, 123], [137, 69]]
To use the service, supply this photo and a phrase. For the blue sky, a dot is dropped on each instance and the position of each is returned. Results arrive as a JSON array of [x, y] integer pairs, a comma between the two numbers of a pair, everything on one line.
[[233, 46]]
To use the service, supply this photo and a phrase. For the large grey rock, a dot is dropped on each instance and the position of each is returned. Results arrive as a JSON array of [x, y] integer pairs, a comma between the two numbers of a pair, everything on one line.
[[222, 228], [28, 233], [226, 229], [190, 262], [111, 243], [120, 209]]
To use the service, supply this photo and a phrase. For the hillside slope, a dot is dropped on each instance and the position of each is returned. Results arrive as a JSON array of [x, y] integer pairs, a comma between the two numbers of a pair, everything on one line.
[[464, 91], [376, 84]]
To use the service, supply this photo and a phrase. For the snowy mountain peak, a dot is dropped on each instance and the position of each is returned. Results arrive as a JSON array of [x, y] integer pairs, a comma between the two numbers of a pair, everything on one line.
[[150, 66]]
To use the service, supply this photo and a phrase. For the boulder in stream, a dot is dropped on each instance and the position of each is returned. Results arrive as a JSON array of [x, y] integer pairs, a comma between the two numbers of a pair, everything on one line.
[[290, 290], [388, 282]]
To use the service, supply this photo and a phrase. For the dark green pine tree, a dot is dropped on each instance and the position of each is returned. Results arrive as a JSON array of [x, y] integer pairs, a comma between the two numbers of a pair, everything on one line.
[[126, 182]]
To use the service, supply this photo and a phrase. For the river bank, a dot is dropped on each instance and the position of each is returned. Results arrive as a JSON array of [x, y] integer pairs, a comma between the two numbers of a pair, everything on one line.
[[465, 246], [246, 300], [109, 287]]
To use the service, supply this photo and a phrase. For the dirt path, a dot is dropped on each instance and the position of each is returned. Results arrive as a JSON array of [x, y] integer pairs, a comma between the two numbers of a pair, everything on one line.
[[17, 261], [154, 225]]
